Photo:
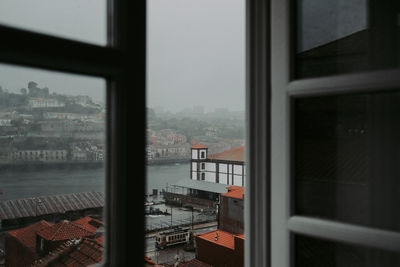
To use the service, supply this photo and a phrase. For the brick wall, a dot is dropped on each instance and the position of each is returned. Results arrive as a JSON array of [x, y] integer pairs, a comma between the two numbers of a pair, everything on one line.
[[17, 255], [220, 256]]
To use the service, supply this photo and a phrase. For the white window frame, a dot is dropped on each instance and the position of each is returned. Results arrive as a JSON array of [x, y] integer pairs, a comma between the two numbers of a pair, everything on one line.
[[283, 90]]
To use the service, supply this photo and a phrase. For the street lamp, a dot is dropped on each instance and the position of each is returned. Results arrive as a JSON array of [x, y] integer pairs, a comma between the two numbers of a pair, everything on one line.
[[37, 202]]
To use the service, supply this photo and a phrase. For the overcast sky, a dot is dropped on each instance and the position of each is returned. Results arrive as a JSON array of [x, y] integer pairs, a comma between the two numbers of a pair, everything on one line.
[[196, 53], [83, 20], [195, 48]]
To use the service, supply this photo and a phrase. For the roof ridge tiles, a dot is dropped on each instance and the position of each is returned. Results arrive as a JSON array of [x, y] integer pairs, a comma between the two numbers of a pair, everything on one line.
[[234, 154]]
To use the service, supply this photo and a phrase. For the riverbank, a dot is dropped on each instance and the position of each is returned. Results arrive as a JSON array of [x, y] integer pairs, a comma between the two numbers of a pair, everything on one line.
[[33, 166], [166, 161]]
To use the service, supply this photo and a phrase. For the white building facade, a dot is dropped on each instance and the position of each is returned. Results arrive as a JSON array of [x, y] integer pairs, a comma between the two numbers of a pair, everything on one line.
[[45, 103], [227, 167]]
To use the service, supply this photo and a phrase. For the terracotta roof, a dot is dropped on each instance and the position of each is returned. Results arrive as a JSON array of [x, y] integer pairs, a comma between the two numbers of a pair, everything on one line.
[[198, 146], [90, 223], [65, 230], [235, 192], [148, 260], [86, 253], [241, 236], [190, 263], [236, 154], [100, 240], [194, 263], [219, 237], [27, 235]]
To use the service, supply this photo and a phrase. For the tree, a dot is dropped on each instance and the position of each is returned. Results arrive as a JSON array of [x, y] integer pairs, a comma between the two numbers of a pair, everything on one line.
[[17, 122], [33, 89], [45, 92], [24, 91]]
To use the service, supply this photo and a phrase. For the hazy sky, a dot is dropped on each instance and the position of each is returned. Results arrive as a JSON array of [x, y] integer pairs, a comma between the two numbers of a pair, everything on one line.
[[83, 20], [195, 48], [196, 53]]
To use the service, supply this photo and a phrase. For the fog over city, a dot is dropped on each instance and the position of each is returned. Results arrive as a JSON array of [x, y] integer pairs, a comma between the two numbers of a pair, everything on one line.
[[196, 54], [195, 49], [14, 78]]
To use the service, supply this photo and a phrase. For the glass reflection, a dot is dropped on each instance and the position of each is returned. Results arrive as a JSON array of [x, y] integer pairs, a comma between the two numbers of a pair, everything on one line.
[[347, 156]]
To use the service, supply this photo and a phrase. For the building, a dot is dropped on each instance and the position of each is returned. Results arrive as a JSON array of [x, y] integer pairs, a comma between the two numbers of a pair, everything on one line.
[[79, 154], [5, 122], [189, 263], [225, 246], [219, 248], [42, 155], [226, 167], [80, 252], [19, 212], [175, 151], [6, 151], [209, 177], [231, 210], [20, 245], [48, 244], [45, 103], [65, 115]]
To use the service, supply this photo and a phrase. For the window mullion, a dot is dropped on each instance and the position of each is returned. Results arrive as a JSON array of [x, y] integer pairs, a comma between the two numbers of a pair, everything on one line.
[[349, 83], [43, 51], [344, 232]]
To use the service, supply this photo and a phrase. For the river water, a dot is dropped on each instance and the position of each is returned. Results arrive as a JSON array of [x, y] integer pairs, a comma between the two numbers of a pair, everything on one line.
[[32, 183], [158, 176]]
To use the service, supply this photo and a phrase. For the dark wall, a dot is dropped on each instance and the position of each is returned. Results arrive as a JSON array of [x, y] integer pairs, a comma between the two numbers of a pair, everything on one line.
[[231, 215], [17, 254], [219, 256]]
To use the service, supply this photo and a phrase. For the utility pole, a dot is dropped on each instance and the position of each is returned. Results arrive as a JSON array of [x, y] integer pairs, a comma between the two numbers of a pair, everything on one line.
[[171, 216], [192, 218]]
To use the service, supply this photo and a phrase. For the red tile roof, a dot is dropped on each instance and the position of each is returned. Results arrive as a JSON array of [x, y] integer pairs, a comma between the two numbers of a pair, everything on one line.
[[89, 252], [235, 192], [148, 260], [100, 240], [65, 230], [236, 154], [27, 235], [219, 237], [90, 223], [86, 253], [198, 146], [241, 236], [194, 263]]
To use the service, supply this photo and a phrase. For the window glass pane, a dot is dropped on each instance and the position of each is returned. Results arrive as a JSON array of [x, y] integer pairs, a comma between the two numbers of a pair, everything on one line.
[[52, 173], [346, 158], [195, 132], [83, 20], [344, 36], [312, 252]]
